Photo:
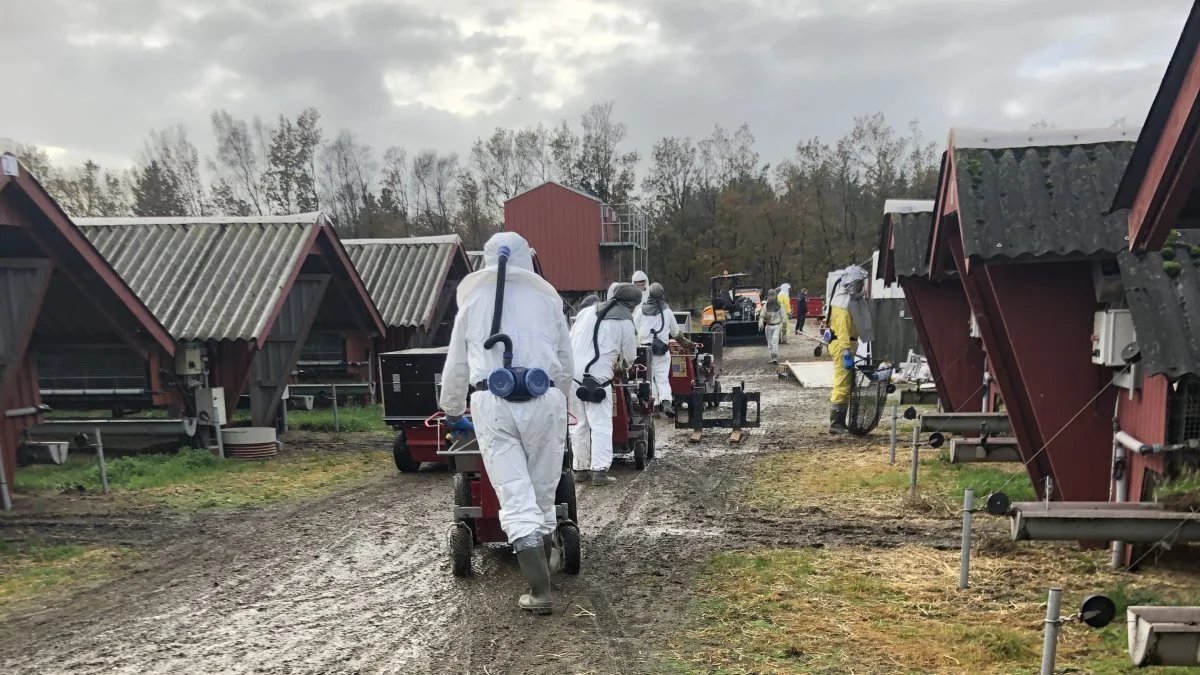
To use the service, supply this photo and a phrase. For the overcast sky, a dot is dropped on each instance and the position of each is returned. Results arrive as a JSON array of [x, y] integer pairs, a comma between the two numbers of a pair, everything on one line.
[[89, 78]]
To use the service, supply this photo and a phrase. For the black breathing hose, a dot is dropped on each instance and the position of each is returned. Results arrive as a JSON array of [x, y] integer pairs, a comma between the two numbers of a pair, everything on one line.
[[600, 314], [497, 336]]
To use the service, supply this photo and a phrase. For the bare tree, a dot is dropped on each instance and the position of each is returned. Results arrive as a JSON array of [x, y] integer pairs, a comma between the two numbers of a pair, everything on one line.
[[178, 160], [348, 173], [241, 162]]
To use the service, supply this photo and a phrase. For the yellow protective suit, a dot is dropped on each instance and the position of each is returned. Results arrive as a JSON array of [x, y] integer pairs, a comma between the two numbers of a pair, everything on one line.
[[786, 303], [845, 337]]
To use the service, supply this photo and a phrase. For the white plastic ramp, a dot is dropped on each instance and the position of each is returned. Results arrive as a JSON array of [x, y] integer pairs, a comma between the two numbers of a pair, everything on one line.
[[812, 373]]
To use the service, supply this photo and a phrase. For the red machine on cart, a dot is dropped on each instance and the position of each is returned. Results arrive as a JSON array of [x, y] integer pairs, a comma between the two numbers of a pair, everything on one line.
[[633, 414], [477, 509], [410, 384], [699, 365]]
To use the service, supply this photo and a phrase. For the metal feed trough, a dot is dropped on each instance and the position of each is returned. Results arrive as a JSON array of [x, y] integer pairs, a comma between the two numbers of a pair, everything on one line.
[[1164, 636], [1130, 522], [965, 423], [970, 450]]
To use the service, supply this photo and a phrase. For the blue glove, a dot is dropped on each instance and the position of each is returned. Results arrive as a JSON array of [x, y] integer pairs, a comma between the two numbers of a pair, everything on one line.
[[459, 426], [827, 336], [847, 359]]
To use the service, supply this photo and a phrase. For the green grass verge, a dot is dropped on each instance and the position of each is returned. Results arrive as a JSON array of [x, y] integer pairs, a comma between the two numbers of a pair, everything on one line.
[[900, 611], [355, 418], [193, 479], [33, 570]]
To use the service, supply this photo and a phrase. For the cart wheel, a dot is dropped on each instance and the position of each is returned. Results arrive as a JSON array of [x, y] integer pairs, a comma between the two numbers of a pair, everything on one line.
[[565, 494], [462, 490], [402, 457], [817, 351], [572, 549], [650, 442], [639, 455], [460, 550]]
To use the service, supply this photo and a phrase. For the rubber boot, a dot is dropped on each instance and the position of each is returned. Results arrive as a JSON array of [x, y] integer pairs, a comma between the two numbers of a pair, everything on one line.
[[536, 571], [553, 556], [837, 420], [601, 478], [668, 409]]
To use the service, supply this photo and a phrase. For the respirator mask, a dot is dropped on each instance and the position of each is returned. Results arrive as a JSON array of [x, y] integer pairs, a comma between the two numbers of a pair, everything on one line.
[[509, 382]]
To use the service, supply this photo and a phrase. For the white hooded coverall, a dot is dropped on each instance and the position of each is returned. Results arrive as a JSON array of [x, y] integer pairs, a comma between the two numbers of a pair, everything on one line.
[[640, 277], [592, 435], [665, 327], [522, 443]]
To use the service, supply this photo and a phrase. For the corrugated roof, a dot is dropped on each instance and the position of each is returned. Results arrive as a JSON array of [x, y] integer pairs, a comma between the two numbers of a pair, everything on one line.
[[910, 241], [405, 276], [206, 278], [1165, 311], [1032, 194]]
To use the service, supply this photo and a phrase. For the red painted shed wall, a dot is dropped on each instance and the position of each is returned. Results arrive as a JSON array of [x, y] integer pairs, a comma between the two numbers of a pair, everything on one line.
[[564, 227], [942, 318], [22, 394], [1144, 416], [1036, 322]]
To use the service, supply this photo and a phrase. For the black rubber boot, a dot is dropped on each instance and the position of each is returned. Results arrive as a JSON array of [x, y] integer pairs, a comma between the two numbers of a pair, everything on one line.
[[601, 478], [668, 408], [837, 420], [537, 574], [553, 556]]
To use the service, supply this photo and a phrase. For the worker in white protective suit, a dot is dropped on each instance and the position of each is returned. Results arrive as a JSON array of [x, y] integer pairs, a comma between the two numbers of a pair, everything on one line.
[[771, 322], [642, 282], [849, 320], [602, 343], [656, 326], [522, 442]]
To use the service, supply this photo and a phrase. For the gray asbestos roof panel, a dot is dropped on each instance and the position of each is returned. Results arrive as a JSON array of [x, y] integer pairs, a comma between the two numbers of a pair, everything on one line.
[[910, 235], [205, 279], [404, 276], [1165, 311], [1042, 201]]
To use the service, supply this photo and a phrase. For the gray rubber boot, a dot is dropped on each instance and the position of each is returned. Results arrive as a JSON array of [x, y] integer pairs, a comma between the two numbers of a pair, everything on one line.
[[837, 420], [668, 408], [601, 478], [536, 571], [553, 556]]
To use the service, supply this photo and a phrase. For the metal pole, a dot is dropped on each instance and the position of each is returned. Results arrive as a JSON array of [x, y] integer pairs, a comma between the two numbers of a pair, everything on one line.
[[337, 422], [5, 497], [100, 458], [964, 562], [912, 478], [892, 443], [220, 441], [1050, 643]]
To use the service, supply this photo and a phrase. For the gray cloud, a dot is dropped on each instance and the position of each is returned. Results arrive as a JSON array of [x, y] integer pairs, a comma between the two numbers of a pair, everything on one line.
[[98, 75]]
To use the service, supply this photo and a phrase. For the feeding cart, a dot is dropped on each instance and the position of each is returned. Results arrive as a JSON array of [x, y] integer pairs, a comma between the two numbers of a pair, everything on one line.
[[477, 509]]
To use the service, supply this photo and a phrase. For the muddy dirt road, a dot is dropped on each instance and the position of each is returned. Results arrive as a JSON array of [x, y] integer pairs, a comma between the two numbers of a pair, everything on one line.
[[359, 581]]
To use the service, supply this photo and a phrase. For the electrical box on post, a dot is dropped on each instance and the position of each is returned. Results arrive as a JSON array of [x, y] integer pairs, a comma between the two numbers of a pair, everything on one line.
[[1112, 330], [189, 358], [210, 406]]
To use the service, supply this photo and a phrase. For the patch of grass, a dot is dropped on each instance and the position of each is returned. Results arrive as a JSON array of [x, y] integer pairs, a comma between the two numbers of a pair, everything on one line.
[[357, 418], [900, 611], [865, 484], [351, 418], [31, 569], [1181, 492], [196, 479]]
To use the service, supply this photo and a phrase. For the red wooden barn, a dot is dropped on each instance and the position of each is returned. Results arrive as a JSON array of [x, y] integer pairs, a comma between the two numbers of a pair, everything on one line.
[[1024, 219], [936, 302], [587, 244], [57, 293], [1161, 190], [248, 290]]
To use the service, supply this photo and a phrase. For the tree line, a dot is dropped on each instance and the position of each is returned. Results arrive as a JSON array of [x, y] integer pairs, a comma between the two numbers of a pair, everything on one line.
[[713, 204]]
